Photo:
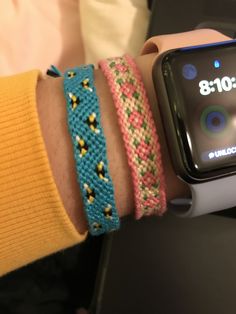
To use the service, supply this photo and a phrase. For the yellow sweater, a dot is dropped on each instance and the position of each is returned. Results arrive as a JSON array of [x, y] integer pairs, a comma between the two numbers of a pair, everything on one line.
[[33, 221]]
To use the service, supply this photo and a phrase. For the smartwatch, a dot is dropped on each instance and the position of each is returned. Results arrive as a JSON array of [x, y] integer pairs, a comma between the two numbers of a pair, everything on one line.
[[194, 78]]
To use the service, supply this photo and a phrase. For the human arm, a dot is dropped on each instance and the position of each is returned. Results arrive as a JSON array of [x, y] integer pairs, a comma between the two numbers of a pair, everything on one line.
[[41, 210]]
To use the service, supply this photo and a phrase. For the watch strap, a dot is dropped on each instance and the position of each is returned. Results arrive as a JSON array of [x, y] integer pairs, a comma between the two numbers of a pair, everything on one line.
[[207, 197], [196, 37]]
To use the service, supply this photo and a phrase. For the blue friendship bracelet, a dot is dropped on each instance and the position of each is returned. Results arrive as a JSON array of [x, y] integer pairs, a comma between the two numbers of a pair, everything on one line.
[[84, 123]]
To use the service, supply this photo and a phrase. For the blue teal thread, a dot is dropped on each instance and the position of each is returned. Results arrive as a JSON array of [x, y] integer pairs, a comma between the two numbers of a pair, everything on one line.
[[84, 124]]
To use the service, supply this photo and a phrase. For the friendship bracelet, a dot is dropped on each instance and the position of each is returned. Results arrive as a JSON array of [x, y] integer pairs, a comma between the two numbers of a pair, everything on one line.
[[139, 134], [84, 123]]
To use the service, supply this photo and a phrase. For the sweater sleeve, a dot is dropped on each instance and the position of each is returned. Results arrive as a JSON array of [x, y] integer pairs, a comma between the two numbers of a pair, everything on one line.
[[33, 220]]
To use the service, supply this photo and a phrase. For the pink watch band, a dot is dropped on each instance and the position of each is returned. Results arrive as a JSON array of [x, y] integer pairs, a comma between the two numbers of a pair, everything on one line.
[[163, 43]]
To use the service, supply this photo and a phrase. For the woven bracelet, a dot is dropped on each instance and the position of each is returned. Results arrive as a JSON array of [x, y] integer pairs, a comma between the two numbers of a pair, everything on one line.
[[139, 134], [84, 123]]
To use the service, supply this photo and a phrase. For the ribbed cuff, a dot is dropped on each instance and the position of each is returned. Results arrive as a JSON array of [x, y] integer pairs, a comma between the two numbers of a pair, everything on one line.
[[33, 220]]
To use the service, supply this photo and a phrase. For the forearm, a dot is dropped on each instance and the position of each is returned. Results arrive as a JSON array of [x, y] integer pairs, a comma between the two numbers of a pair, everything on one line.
[[53, 120]]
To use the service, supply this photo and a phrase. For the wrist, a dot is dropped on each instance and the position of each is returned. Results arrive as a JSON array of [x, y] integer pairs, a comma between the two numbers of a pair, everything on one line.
[[53, 121]]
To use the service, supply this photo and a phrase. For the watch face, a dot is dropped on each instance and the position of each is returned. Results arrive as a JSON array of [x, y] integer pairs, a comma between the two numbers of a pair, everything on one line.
[[201, 88]]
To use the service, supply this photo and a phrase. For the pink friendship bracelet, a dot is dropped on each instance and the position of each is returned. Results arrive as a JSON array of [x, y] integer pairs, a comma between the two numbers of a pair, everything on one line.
[[139, 134]]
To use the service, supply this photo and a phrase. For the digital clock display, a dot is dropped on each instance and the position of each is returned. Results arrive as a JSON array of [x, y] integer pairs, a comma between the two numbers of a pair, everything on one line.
[[224, 84], [201, 86]]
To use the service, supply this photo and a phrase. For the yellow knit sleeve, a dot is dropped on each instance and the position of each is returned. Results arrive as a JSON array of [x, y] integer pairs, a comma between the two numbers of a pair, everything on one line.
[[33, 221]]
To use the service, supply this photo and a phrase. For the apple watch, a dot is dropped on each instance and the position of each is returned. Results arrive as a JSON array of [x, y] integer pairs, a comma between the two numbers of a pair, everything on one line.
[[194, 77]]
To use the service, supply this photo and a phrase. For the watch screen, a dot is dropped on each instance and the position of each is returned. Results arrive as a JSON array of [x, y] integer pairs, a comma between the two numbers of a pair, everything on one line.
[[201, 86]]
